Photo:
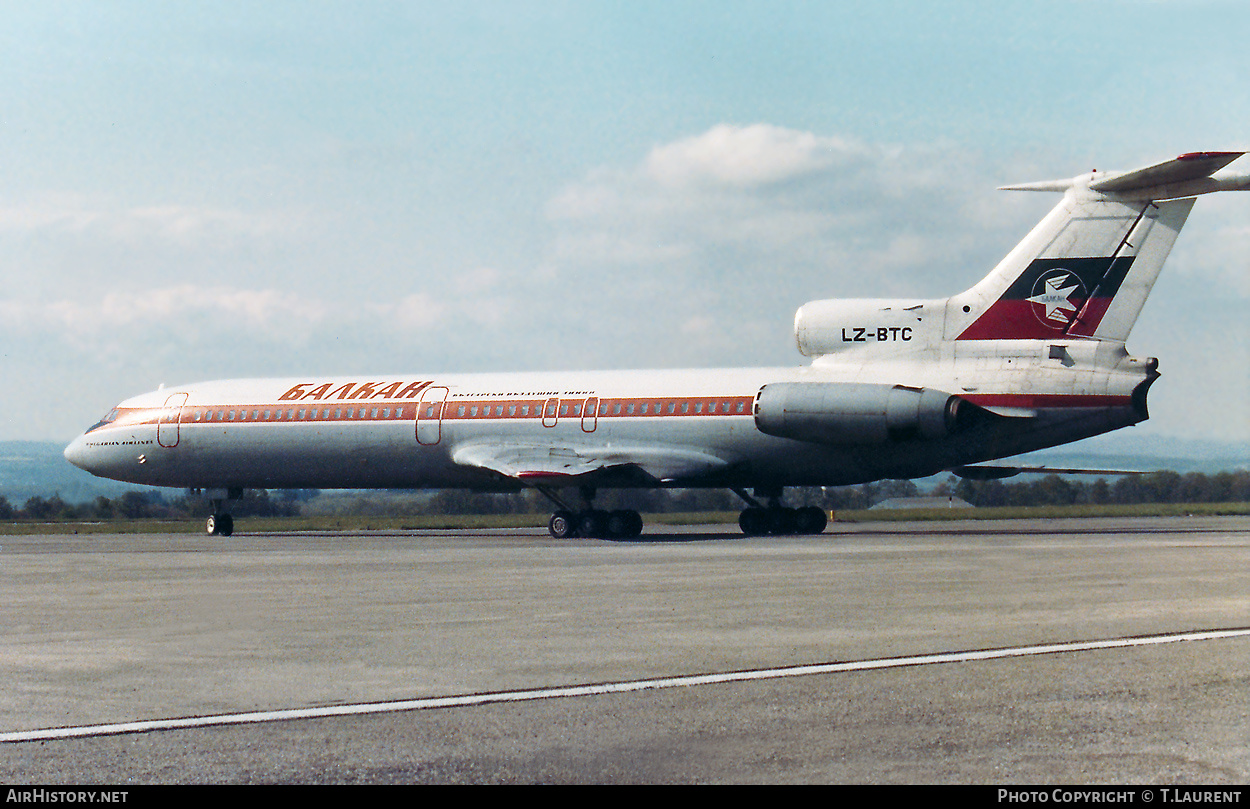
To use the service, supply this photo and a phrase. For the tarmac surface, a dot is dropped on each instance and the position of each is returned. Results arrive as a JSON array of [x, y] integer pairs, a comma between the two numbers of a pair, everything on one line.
[[102, 629]]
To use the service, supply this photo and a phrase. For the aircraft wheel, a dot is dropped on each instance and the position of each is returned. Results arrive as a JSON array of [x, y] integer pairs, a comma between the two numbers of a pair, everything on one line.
[[563, 525], [593, 523], [624, 524], [220, 525], [810, 520], [753, 521], [781, 521]]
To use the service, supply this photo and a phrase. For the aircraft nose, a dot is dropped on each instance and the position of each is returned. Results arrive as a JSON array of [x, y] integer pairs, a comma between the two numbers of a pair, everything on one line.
[[76, 453]]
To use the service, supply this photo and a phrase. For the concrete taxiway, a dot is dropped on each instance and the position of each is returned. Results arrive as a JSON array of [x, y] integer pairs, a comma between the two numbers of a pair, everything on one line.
[[107, 629]]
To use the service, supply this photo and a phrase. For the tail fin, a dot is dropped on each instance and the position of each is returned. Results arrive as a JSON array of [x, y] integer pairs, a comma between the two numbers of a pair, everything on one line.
[[1086, 269]]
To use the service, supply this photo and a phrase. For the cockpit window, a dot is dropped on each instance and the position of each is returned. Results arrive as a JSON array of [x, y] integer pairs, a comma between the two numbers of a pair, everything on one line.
[[109, 418]]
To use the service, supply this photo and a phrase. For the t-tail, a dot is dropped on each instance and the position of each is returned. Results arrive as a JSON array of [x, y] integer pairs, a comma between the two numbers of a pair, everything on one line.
[[1082, 273], [1087, 268]]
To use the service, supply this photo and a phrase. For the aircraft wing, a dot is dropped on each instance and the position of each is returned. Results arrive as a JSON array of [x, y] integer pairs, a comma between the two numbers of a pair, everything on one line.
[[536, 463], [988, 472]]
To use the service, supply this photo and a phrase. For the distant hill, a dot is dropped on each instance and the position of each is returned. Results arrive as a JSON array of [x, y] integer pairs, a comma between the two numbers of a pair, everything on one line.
[[1127, 450], [29, 468]]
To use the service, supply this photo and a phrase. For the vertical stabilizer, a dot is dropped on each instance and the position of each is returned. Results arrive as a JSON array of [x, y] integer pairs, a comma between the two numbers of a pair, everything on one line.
[[1086, 269]]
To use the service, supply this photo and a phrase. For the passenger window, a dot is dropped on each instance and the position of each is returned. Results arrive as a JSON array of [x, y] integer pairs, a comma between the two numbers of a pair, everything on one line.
[[616, 409], [698, 408], [672, 408], [511, 410], [498, 410], [685, 407]]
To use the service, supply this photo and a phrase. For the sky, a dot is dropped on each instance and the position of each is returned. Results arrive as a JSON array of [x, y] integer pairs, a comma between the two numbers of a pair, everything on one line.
[[193, 191]]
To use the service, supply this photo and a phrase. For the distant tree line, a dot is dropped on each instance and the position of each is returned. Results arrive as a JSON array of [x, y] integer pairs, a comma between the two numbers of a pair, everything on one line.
[[137, 505], [1155, 487]]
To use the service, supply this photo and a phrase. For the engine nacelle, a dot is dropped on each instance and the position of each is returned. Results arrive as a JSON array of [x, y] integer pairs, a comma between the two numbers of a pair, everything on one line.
[[858, 413], [827, 327]]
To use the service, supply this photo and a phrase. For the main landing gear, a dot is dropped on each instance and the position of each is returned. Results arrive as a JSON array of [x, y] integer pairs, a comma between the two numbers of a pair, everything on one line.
[[595, 523], [590, 522], [776, 519], [755, 520]]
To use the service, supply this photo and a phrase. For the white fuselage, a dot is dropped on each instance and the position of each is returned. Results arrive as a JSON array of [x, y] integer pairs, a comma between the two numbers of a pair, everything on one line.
[[688, 427]]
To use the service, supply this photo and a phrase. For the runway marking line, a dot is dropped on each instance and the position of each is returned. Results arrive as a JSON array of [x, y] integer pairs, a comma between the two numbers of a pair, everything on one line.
[[525, 695]]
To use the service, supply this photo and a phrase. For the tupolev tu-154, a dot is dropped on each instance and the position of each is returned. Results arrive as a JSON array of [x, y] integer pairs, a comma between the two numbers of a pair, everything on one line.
[[1030, 357]]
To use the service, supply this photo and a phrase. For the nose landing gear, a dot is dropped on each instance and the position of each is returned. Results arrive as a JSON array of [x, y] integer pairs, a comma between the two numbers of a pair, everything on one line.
[[220, 523]]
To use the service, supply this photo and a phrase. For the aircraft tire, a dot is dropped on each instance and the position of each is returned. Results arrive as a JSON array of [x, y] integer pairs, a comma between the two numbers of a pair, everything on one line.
[[781, 521], [624, 524], [753, 521], [563, 525], [220, 525], [810, 520], [593, 523], [635, 524]]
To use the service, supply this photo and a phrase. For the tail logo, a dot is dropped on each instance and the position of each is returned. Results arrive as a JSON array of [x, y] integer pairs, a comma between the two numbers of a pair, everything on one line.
[[1057, 297]]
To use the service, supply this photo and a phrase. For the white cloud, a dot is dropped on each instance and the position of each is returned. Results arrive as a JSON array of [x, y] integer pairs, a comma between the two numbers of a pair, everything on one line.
[[183, 225], [741, 225], [186, 314], [747, 156]]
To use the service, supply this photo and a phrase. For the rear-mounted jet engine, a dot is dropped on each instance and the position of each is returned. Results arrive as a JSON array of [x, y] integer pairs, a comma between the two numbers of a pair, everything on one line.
[[850, 413]]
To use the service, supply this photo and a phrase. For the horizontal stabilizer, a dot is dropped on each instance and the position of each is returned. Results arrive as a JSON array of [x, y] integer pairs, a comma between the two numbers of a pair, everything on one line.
[[1187, 175], [1186, 167]]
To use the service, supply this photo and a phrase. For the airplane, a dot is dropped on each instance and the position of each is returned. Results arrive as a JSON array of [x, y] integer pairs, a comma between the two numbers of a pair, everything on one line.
[[1030, 357]]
